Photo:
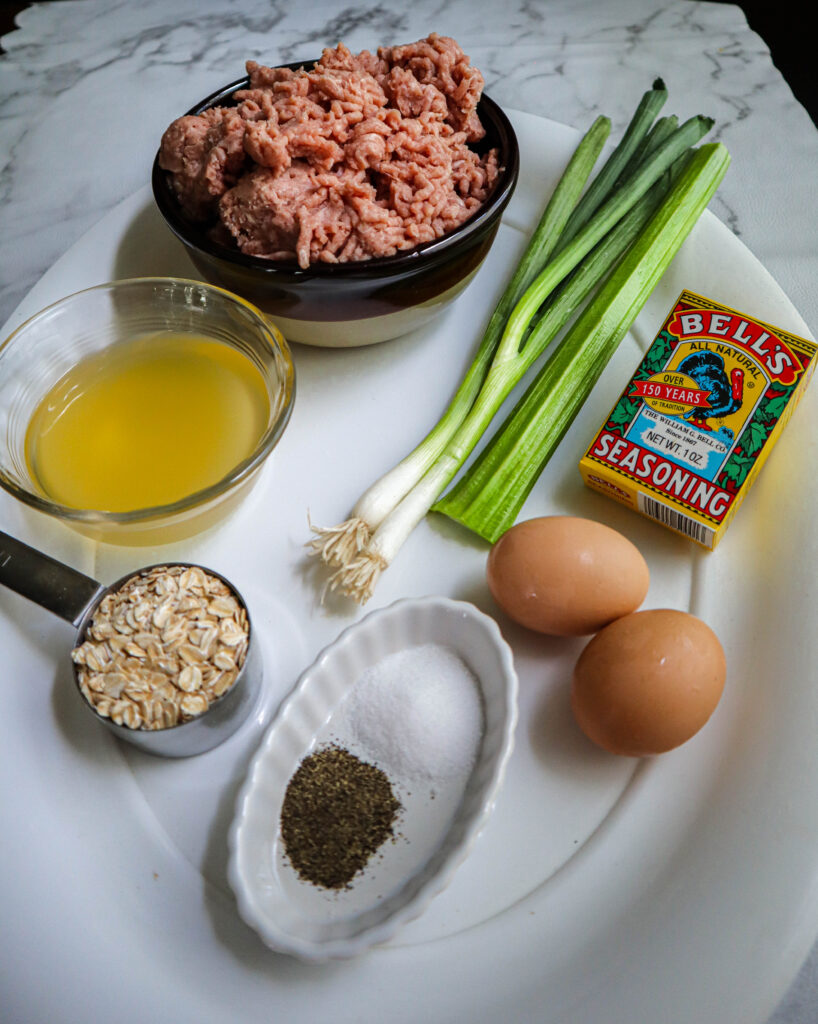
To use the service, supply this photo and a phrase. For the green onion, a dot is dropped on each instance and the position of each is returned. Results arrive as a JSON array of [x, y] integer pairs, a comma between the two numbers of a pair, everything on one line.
[[660, 131], [644, 116], [488, 498], [568, 256], [337, 544], [615, 207], [558, 309]]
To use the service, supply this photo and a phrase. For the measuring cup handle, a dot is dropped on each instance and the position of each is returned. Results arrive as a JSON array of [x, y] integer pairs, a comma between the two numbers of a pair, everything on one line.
[[44, 580]]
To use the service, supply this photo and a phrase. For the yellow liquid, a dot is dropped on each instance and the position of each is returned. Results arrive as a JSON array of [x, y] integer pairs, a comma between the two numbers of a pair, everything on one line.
[[146, 423]]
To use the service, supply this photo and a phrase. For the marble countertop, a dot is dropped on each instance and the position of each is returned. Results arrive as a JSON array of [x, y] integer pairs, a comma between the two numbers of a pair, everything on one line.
[[89, 85], [71, 106]]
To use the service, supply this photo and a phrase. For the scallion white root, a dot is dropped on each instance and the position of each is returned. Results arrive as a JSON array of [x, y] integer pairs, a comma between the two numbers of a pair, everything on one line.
[[357, 578], [337, 545]]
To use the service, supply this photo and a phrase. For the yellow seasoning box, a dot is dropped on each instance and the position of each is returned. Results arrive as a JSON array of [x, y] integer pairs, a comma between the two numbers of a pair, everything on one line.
[[699, 417]]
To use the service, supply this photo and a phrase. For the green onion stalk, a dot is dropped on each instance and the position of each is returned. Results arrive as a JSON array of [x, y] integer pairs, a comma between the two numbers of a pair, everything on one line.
[[336, 545], [365, 545]]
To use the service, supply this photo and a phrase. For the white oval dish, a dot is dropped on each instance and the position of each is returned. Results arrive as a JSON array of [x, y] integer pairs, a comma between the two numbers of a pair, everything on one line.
[[436, 832]]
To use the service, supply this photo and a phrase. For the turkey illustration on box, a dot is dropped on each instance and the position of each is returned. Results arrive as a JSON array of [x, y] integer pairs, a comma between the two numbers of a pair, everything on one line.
[[699, 417]]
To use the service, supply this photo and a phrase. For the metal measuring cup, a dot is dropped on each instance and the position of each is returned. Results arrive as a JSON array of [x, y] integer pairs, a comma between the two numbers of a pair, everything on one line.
[[76, 597]]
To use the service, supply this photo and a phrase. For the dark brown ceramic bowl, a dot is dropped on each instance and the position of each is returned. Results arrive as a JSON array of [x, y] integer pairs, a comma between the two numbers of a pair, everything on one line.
[[346, 304]]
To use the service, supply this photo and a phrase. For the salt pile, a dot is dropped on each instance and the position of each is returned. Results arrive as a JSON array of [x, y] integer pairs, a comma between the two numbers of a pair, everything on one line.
[[418, 713]]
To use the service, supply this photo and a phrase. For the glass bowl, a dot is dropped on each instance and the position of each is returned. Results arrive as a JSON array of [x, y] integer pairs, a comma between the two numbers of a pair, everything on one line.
[[339, 305], [44, 348]]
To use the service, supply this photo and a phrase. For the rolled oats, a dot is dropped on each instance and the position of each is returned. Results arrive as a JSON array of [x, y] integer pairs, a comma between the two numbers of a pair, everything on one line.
[[162, 648], [193, 704], [190, 679]]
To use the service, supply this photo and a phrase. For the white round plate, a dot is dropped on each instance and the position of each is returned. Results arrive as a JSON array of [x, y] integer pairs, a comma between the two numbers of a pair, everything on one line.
[[679, 889]]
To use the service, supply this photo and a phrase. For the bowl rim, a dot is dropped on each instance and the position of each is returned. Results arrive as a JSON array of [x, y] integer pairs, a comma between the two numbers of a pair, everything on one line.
[[429, 253], [241, 472]]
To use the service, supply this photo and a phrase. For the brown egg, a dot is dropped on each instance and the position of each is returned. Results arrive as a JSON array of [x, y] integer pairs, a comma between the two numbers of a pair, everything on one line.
[[566, 576], [648, 682]]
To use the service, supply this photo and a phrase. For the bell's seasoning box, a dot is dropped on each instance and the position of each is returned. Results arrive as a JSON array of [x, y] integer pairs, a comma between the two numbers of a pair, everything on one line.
[[699, 417]]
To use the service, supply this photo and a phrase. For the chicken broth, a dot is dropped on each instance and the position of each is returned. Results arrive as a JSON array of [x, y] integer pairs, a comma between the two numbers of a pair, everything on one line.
[[146, 422], [699, 417]]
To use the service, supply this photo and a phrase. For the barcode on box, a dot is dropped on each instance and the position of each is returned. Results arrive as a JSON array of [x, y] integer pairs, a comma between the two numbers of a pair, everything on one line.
[[668, 516]]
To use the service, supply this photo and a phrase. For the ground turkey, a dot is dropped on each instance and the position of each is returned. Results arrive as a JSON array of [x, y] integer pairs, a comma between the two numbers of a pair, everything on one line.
[[360, 156]]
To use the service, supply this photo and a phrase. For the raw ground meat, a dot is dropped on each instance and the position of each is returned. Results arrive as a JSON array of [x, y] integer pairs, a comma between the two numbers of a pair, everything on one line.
[[360, 156]]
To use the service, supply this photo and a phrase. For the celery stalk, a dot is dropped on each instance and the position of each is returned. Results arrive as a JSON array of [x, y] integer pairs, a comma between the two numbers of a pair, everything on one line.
[[488, 498]]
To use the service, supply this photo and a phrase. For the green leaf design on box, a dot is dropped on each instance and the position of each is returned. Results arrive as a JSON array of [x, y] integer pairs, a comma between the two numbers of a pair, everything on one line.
[[772, 408], [753, 438], [658, 354], [655, 359], [736, 470], [622, 415]]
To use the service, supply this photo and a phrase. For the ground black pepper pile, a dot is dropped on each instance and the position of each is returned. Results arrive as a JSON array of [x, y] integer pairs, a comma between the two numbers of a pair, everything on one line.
[[337, 811]]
